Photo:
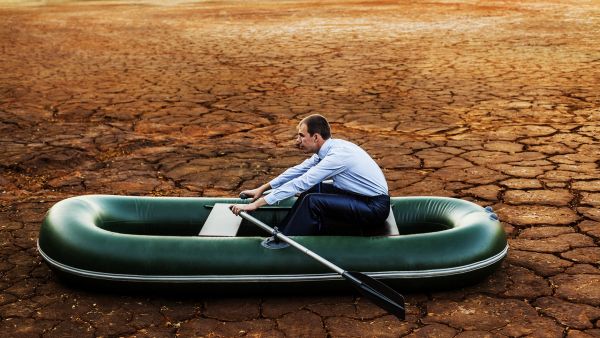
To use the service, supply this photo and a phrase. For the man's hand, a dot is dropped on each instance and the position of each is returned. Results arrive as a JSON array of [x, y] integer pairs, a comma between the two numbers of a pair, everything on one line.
[[255, 194], [237, 208]]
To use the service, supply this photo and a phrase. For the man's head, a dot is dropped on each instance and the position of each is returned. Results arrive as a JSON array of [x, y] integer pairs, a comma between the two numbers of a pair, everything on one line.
[[313, 131]]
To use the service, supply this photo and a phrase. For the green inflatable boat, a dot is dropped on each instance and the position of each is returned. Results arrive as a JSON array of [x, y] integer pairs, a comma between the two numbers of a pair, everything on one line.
[[429, 242]]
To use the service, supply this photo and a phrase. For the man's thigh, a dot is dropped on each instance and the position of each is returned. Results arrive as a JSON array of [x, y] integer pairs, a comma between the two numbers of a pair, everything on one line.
[[342, 209]]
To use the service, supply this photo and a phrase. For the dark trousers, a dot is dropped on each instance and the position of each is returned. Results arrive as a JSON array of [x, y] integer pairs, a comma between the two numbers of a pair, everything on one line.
[[326, 210]]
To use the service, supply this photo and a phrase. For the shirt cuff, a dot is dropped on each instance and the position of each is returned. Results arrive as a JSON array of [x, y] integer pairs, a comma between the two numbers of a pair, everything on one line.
[[270, 199]]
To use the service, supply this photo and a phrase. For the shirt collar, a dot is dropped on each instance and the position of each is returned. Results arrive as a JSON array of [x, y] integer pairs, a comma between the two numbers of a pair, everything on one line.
[[325, 148]]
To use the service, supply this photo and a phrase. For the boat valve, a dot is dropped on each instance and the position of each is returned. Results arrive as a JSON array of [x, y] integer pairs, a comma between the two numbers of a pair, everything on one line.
[[490, 211]]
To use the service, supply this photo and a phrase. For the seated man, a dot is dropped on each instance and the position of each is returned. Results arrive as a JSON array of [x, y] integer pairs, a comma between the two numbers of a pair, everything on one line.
[[358, 198]]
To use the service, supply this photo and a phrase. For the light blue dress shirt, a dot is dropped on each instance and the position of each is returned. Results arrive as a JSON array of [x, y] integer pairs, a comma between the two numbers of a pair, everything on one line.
[[348, 165]]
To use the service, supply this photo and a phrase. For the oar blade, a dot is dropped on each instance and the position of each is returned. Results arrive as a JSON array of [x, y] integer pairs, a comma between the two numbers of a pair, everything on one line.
[[377, 292]]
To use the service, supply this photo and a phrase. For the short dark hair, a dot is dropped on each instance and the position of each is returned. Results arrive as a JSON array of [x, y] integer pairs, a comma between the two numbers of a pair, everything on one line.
[[317, 124]]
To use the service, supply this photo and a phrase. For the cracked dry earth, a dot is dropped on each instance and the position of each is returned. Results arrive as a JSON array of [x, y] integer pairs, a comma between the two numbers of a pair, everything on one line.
[[493, 102]]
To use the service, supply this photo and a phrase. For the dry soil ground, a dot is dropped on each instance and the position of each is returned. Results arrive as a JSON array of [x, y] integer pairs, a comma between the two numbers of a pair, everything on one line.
[[495, 102]]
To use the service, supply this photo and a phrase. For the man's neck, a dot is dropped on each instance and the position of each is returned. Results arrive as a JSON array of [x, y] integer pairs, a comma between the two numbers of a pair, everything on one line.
[[321, 144]]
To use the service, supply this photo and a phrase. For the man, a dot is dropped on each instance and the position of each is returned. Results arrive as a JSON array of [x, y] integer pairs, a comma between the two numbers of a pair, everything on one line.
[[358, 201]]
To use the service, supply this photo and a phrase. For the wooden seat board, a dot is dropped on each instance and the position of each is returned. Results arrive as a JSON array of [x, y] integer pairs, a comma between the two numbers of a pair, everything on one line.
[[221, 222]]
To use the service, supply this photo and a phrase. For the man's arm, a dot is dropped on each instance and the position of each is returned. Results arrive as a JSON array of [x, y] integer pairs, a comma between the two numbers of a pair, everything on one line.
[[256, 193], [286, 176], [295, 171], [330, 166], [237, 208]]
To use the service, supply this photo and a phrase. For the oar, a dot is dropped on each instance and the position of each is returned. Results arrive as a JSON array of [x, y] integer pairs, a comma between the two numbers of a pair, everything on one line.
[[374, 290]]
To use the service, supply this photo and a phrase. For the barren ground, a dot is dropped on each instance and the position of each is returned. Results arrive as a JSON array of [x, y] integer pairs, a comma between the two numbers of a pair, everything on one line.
[[494, 102]]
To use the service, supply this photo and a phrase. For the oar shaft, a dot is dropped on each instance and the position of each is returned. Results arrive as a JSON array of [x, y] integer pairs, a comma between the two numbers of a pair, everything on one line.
[[291, 242], [377, 292], [310, 253]]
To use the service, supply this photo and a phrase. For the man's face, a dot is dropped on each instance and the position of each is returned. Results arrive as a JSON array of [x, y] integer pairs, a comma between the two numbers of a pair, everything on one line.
[[305, 141]]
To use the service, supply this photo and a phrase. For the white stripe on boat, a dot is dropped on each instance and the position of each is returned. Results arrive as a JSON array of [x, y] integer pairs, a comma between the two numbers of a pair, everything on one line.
[[271, 278]]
